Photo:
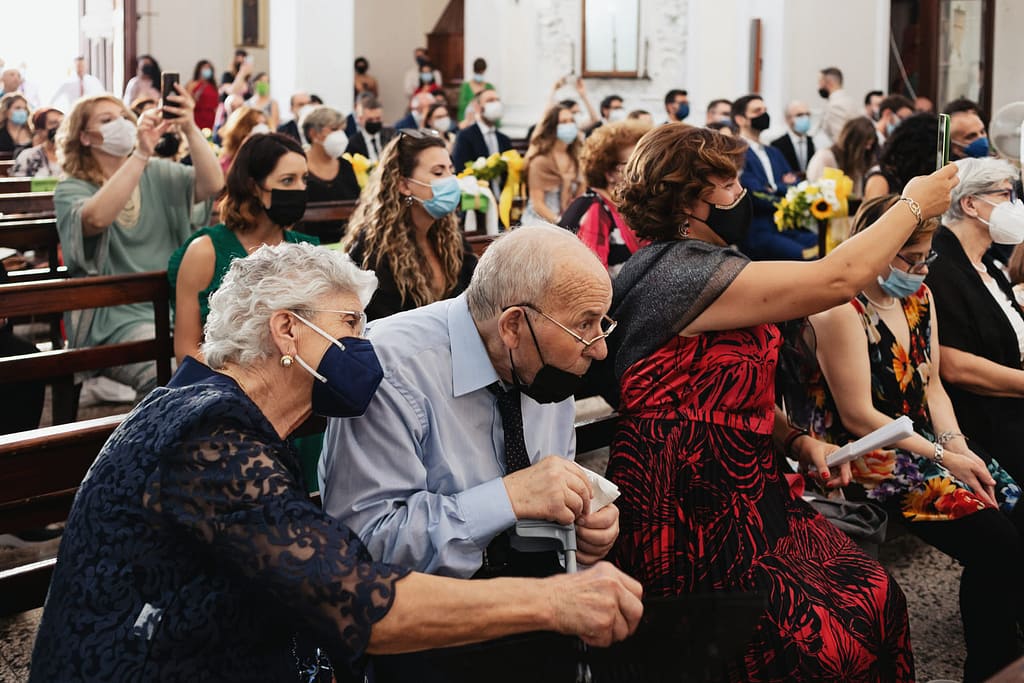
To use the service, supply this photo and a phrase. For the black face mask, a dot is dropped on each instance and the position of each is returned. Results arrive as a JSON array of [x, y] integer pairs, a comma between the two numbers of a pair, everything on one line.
[[286, 207], [731, 223], [51, 134], [373, 127], [550, 384], [420, 61], [823, 93], [362, 68], [168, 146], [760, 123]]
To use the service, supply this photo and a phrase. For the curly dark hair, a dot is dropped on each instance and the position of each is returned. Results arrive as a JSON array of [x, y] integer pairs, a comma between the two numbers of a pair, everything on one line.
[[910, 150], [671, 167], [600, 153]]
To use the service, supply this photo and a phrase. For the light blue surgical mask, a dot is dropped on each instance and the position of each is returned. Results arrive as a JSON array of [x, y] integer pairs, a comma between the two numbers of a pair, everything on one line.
[[891, 126], [479, 78], [19, 117], [900, 284], [567, 132], [206, 73], [447, 196], [802, 124]]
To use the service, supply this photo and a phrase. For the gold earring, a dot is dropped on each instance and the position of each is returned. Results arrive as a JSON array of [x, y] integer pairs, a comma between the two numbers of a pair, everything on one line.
[[286, 361]]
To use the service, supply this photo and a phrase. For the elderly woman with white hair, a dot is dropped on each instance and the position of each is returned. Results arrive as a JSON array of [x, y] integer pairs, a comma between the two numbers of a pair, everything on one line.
[[193, 552], [982, 333]]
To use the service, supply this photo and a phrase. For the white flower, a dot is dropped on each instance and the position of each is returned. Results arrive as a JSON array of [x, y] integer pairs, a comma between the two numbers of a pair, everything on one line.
[[480, 164]]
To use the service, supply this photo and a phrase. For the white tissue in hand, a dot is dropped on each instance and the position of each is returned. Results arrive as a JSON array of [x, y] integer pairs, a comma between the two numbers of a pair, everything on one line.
[[605, 491]]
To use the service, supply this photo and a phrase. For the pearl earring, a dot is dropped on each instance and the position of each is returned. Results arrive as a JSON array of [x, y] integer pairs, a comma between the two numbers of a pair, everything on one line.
[[286, 361], [408, 200]]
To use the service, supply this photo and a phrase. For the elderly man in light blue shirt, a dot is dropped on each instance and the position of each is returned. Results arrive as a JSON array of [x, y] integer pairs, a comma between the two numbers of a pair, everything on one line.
[[422, 476]]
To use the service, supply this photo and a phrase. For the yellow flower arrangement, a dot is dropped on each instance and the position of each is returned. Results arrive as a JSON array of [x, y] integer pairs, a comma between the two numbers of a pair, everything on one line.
[[487, 169], [361, 166], [807, 204]]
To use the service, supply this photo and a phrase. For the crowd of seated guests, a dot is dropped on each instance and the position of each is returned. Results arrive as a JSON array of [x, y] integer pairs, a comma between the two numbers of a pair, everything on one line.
[[674, 213]]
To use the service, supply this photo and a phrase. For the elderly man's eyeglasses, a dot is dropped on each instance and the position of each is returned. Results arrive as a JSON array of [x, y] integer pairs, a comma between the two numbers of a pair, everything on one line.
[[919, 266], [606, 325], [354, 319]]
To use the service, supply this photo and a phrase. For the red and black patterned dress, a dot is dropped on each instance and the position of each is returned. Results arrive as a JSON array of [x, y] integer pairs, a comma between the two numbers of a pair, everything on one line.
[[704, 508]]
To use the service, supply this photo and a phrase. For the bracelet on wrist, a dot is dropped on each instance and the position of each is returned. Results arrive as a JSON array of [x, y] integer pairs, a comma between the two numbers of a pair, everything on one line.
[[946, 437], [915, 209], [939, 452], [787, 445]]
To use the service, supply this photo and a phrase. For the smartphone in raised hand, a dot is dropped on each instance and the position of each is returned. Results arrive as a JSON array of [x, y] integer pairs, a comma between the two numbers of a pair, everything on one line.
[[169, 80], [942, 144]]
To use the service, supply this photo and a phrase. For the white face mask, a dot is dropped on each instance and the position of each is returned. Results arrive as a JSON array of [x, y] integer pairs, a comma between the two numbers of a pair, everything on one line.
[[493, 110], [335, 144], [1006, 224], [259, 129], [118, 137], [616, 115], [443, 124]]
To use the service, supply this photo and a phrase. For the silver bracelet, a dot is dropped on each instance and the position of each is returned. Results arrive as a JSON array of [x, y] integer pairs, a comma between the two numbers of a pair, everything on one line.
[[939, 452], [946, 437]]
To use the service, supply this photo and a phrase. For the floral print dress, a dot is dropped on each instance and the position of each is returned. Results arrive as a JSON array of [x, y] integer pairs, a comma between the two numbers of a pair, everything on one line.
[[923, 490]]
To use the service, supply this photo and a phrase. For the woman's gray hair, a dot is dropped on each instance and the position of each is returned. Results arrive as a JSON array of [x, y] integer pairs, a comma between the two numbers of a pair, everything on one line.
[[282, 277], [320, 118], [976, 176], [518, 267]]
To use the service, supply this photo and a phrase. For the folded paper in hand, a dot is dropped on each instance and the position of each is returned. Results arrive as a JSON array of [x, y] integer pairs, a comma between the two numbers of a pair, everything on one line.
[[897, 430], [605, 491]]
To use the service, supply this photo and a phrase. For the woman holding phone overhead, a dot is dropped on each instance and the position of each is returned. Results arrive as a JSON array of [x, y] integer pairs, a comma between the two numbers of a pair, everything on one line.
[[704, 507], [118, 211]]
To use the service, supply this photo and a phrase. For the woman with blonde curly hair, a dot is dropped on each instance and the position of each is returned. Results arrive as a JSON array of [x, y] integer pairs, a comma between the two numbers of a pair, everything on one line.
[[594, 216], [704, 507], [242, 123], [552, 166], [405, 230], [15, 129], [118, 211]]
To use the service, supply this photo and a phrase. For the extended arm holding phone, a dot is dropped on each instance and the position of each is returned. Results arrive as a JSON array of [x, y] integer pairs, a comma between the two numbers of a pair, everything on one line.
[[209, 177]]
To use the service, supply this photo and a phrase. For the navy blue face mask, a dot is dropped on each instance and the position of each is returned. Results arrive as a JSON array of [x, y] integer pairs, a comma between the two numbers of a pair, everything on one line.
[[346, 378]]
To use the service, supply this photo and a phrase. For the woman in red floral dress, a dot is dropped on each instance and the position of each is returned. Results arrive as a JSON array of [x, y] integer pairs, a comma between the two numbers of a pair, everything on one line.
[[880, 356], [704, 507]]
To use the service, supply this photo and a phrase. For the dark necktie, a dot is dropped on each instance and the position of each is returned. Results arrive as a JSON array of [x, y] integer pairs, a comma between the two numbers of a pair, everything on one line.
[[511, 411]]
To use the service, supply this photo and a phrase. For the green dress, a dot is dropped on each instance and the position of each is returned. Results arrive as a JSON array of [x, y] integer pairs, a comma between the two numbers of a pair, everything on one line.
[[466, 96], [226, 248]]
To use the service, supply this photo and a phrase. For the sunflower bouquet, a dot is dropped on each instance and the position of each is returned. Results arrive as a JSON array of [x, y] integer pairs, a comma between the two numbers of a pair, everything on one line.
[[819, 205], [486, 169]]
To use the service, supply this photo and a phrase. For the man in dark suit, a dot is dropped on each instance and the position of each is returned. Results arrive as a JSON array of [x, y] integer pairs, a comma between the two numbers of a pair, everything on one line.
[[299, 101], [796, 145], [766, 174], [371, 135], [482, 138]]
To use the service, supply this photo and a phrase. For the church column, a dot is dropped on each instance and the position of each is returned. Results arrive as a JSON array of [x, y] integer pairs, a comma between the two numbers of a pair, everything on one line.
[[311, 49]]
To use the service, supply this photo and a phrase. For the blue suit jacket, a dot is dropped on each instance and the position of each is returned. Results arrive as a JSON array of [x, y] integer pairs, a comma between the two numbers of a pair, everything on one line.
[[470, 145], [765, 242], [407, 121]]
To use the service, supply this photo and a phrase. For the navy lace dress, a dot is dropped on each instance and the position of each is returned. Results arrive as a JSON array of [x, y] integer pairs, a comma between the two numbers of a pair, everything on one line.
[[193, 553]]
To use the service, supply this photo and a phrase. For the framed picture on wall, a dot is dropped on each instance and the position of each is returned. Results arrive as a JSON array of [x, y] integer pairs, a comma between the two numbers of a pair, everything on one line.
[[251, 20]]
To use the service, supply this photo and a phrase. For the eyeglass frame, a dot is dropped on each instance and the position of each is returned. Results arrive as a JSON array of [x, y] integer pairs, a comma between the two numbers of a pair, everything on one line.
[[1012, 190], [360, 315], [915, 267], [586, 343]]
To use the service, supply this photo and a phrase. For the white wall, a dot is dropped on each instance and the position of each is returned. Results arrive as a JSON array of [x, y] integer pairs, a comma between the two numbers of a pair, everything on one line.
[[1007, 74], [181, 32], [387, 32], [311, 50]]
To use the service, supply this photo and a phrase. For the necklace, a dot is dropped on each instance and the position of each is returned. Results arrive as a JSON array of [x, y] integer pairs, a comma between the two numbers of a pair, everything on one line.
[[883, 307]]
